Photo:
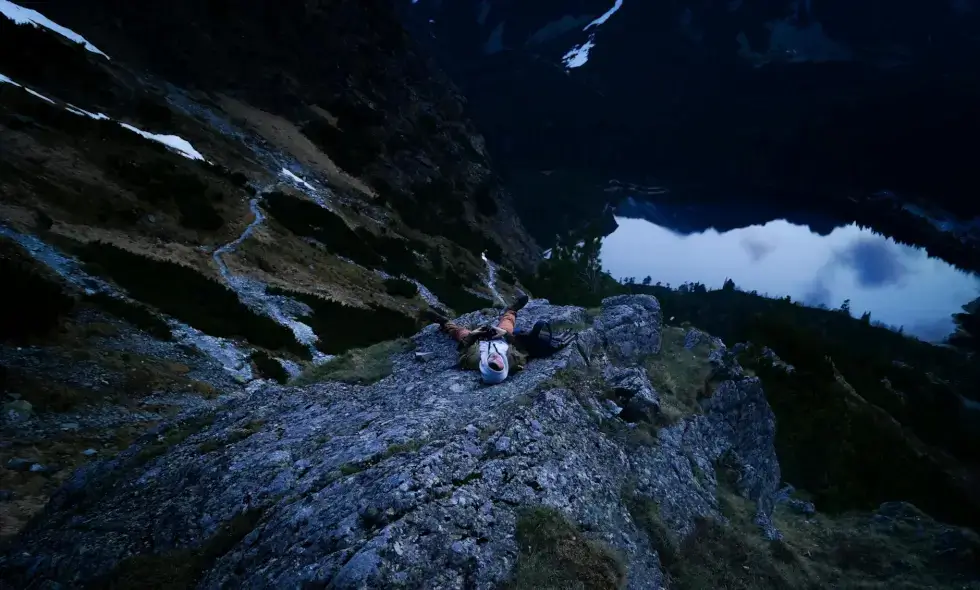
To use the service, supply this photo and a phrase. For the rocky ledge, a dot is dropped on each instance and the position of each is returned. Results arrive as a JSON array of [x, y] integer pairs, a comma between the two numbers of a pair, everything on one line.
[[581, 471]]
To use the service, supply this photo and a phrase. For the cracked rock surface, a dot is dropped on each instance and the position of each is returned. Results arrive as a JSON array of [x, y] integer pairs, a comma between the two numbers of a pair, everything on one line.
[[415, 481]]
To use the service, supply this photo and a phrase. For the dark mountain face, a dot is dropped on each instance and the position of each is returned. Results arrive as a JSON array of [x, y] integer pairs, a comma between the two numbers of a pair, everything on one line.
[[815, 102], [352, 60], [198, 196]]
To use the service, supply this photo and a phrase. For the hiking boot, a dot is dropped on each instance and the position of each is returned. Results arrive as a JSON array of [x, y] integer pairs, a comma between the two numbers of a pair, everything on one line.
[[519, 303], [434, 317]]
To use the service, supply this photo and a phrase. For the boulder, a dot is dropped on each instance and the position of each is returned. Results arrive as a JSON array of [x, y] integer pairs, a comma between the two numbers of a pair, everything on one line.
[[629, 335], [631, 387], [17, 411], [418, 480]]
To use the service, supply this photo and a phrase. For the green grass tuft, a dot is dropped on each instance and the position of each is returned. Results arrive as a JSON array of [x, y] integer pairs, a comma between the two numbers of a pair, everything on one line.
[[679, 375], [236, 435], [352, 468], [717, 556], [555, 554], [361, 366], [559, 327], [907, 549], [399, 448], [646, 514]]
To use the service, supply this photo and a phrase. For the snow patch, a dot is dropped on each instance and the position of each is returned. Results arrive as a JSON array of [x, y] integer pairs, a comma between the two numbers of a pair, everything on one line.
[[26, 16], [6, 80], [39, 95], [174, 142], [579, 55], [290, 176], [178, 144], [310, 190], [83, 113], [602, 19]]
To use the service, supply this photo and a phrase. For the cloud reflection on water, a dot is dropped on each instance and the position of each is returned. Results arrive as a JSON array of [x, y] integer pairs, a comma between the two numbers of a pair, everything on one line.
[[900, 285]]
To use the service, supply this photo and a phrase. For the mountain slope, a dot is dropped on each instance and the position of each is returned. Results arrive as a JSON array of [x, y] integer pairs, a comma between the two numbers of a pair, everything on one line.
[[575, 471], [197, 197]]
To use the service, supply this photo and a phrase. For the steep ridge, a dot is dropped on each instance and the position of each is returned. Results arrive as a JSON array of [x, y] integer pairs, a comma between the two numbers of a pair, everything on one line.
[[174, 228], [367, 101], [575, 471]]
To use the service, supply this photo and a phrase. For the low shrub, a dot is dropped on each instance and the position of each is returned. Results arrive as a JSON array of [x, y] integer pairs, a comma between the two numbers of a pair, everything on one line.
[[36, 300], [189, 296], [268, 367], [554, 554], [131, 312], [308, 219], [401, 288], [342, 327]]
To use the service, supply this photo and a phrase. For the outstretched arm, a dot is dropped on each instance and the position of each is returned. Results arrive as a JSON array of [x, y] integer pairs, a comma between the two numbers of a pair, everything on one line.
[[474, 335]]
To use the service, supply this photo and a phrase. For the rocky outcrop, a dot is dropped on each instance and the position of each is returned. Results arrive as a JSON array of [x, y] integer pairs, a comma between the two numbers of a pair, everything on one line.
[[414, 481], [428, 479]]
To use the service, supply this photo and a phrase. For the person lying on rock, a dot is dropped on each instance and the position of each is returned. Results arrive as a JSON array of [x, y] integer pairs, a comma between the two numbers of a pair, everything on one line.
[[496, 351], [487, 349]]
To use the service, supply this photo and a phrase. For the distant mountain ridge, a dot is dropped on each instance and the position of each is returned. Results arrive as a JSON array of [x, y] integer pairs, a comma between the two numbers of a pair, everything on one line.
[[817, 105]]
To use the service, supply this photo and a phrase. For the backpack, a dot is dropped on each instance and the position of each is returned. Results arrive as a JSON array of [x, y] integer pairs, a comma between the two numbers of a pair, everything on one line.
[[540, 341]]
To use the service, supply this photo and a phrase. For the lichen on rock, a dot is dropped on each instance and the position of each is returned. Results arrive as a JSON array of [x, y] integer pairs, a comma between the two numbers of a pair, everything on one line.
[[426, 478], [339, 506]]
